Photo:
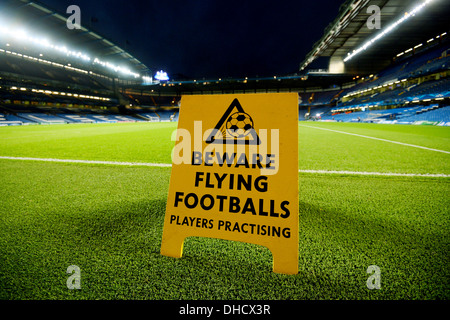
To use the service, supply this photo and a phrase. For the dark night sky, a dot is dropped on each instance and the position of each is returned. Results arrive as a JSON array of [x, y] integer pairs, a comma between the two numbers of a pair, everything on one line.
[[211, 38]]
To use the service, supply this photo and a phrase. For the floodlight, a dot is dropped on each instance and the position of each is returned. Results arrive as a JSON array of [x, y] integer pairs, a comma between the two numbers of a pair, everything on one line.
[[391, 27], [22, 35], [147, 79]]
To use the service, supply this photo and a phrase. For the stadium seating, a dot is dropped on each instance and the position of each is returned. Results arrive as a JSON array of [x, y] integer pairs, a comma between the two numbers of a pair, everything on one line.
[[42, 118], [397, 99], [165, 115], [151, 116], [407, 115], [44, 71], [10, 120], [158, 115], [319, 98], [75, 118], [434, 115], [418, 65]]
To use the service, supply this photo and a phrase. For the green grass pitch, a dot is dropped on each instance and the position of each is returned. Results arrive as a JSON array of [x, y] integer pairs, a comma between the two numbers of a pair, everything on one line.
[[108, 219]]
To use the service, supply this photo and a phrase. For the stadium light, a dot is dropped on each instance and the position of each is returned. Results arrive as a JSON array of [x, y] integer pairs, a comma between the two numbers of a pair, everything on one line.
[[20, 34], [147, 79], [389, 29], [420, 45], [23, 35], [49, 92]]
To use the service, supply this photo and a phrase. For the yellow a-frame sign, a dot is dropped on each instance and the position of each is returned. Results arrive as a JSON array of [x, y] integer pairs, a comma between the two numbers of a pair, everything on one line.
[[235, 174]]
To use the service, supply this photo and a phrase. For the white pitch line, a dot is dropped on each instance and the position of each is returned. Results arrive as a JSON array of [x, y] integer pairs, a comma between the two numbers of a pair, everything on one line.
[[116, 163], [387, 174], [385, 140], [165, 165]]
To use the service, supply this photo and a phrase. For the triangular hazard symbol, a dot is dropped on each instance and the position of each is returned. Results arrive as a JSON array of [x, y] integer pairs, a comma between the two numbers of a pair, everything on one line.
[[235, 127]]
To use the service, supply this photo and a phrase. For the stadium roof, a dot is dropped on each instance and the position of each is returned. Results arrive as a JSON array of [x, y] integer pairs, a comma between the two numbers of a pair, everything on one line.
[[35, 16], [349, 32]]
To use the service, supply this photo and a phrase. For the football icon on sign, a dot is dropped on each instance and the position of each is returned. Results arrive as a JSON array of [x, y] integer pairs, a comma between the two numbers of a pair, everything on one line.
[[235, 127], [239, 125]]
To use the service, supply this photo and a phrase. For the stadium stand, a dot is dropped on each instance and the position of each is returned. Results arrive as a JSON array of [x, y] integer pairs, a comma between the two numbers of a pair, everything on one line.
[[49, 84], [430, 115], [319, 98], [410, 90]]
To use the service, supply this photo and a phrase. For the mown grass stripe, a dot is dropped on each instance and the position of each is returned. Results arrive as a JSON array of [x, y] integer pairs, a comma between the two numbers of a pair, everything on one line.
[[379, 139]]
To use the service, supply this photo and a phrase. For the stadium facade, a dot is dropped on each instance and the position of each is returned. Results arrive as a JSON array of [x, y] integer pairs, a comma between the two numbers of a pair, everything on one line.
[[397, 73]]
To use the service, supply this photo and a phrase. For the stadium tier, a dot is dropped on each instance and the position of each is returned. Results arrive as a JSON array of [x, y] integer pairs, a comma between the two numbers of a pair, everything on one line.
[[319, 98], [412, 90], [49, 83]]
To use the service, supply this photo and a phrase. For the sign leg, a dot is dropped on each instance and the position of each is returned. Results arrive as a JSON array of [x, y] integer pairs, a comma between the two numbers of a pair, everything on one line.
[[285, 263], [172, 246]]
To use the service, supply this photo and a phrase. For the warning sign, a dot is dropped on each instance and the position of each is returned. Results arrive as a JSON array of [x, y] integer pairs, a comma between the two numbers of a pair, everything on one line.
[[235, 174]]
